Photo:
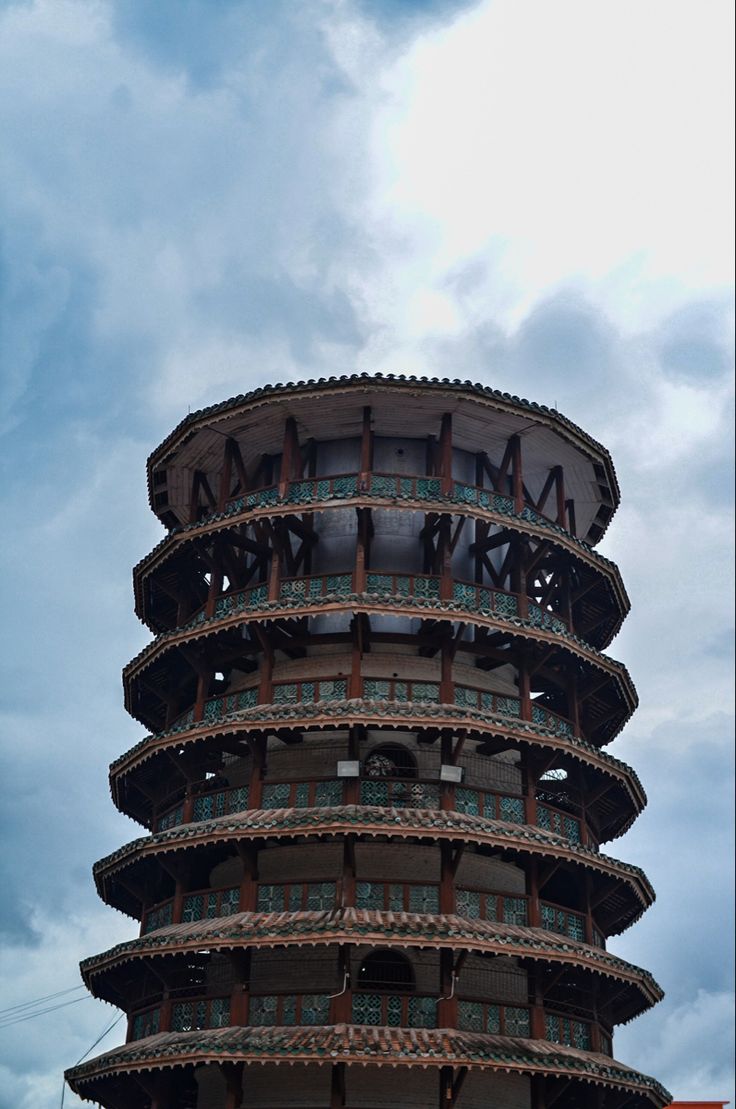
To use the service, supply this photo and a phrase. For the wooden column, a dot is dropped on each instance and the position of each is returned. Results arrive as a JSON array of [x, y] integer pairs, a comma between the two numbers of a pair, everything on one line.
[[530, 788], [446, 454], [535, 913], [289, 455], [525, 695], [445, 553], [447, 789], [255, 788], [249, 882], [337, 1086], [517, 480], [537, 1021], [226, 476], [341, 1006], [233, 1084], [366, 451], [560, 491], [361, 551], [447, 879], [348, 872], [447, 1006]]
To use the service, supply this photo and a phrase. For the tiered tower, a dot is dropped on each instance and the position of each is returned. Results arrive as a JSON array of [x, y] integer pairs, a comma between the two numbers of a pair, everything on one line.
[[375, 788]]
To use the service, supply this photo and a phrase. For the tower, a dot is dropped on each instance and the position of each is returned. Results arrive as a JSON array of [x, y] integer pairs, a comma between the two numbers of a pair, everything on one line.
[[375, 788]]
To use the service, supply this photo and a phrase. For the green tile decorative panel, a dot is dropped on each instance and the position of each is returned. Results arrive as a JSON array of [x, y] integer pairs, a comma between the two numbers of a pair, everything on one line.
[[515, 910], [393, 1012], [468, 904], [263, 1010], [328, 793], [422, 1012], [159, 918], [345, 486], [493, 1019], [429, 487], [512, 809], [467, 800], [367, 1008], [270, 899], [275, 795], [321, 895], [424, 899], [518, 1021], [170, 819], [146, 1024], [220, 1012], [470, 1016], [374, 793], [369, 895], [315, 1008]]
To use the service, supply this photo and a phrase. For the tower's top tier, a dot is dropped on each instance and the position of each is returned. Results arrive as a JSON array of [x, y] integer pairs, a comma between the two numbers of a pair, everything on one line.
[[407, 409]]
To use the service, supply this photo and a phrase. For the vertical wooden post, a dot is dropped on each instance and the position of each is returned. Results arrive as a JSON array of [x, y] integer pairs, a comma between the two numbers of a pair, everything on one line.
[[179, 891], [203, 687], [535, 912], [351, 791], [255, 789], [573, 709], [447, 1006], [337, 1086], [249, 882], [525, 695], [226, 475], [342, 1005], [233, 1085], [366, 450], [447, 789], [445, 1087], [530, 785], [446, 455], [560, 491], [537, 1022], [216, 578], [517, 478], [348, 872], [359, 570], [447, 879], [274, 570], [588, 912], [289, 455], [443, 539]]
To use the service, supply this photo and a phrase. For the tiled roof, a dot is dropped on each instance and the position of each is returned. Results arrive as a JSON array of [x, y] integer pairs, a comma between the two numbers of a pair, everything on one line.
[[377, 1046], [363, 925], [339, 819], [364, 381], [358, 710]]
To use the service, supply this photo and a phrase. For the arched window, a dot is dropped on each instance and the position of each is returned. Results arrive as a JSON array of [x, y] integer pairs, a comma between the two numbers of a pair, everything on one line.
[[386, 970], [390, 760]]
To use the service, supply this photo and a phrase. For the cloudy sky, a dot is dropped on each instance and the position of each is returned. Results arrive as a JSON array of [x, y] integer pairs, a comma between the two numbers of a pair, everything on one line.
[[201, 196]]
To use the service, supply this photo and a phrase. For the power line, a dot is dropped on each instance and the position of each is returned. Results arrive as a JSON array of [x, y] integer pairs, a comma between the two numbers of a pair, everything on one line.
[[83, 1057], [39, 1000], [19, 1019]]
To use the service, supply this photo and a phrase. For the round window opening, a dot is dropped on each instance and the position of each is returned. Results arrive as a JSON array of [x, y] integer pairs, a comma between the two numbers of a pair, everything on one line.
[[390, 761], [386, 970]]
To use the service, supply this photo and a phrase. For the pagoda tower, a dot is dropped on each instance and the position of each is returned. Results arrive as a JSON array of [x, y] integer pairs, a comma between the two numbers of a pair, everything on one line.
[[376, 787]]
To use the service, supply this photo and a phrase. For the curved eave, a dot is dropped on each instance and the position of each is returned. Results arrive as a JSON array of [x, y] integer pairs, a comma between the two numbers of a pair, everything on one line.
[[361, 1045], [220, 418], [343, 714], [274, 824], [191, 533], [361, 926]]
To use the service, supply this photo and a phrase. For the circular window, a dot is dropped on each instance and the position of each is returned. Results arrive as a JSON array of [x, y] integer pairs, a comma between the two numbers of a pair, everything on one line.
[[390, 761]]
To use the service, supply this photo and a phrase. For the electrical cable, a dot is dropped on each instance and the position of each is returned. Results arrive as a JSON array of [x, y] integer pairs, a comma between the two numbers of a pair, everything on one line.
[[20, 1018], [83, 1057], [38, 1000]]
